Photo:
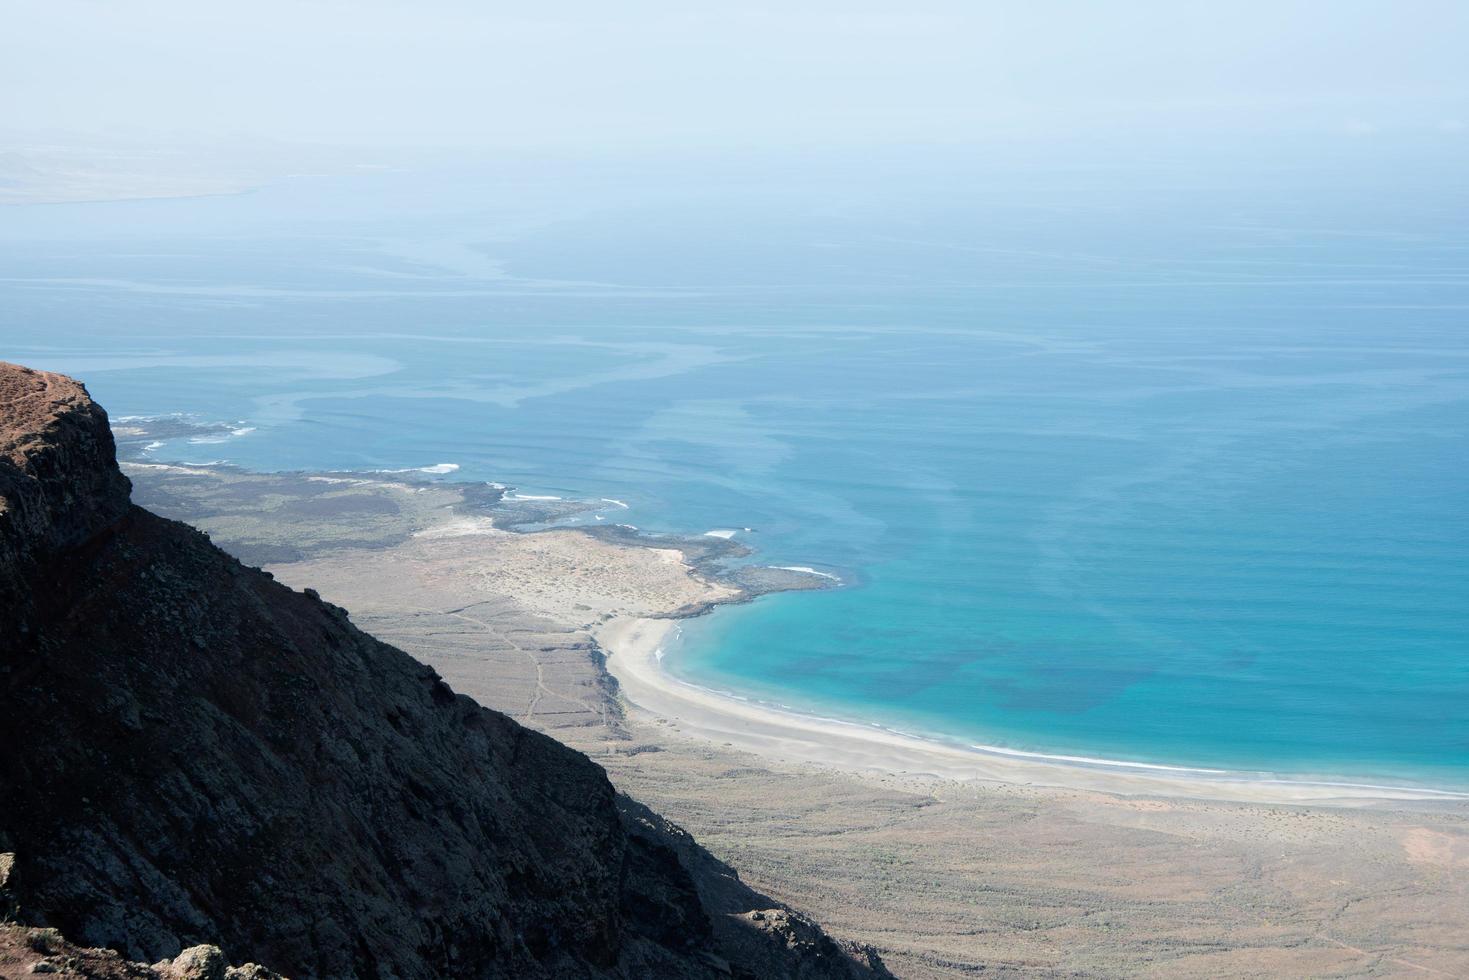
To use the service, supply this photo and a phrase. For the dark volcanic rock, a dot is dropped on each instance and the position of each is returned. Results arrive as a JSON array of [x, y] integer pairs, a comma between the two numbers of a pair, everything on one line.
[[59, 484], [194, 754]]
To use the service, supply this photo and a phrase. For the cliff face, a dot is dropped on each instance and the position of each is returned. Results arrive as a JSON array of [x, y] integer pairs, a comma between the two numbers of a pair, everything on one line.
[[194, 753], [59, 485]]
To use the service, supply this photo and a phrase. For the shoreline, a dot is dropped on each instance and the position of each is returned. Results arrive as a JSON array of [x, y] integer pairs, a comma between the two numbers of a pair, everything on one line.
[[634, 652], [632, 646], [955, 863]]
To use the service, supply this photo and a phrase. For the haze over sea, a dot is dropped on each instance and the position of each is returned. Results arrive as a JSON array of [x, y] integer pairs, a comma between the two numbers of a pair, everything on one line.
[[1172, 473]]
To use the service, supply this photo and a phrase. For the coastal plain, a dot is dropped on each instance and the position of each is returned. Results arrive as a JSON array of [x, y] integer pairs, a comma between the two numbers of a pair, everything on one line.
[[974, 865]]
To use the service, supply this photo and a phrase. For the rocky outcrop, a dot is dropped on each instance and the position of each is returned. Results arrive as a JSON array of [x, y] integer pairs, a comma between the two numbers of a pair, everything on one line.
[[196, 754], [45, 952], [59, 485]]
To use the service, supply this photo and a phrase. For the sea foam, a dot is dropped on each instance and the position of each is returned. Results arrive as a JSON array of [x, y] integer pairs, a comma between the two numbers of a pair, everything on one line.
[[807, 570], [436, 468]]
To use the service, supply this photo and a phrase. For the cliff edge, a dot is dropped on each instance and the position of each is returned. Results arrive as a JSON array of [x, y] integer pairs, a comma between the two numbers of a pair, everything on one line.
[[195, 754]]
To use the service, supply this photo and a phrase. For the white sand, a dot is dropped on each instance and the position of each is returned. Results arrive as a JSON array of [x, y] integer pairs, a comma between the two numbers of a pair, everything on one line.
[[634, 645]]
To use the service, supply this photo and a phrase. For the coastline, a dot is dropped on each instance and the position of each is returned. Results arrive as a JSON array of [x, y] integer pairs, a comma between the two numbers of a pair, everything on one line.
[[630, 643], [634, 648], [1002, 871]]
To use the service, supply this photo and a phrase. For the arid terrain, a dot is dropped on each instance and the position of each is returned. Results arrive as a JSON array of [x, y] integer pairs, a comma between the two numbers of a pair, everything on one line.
[[202, 766], [947, 877]]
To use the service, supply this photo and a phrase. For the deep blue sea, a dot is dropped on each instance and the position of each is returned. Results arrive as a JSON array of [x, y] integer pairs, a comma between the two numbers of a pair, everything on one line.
[[1158, 463]]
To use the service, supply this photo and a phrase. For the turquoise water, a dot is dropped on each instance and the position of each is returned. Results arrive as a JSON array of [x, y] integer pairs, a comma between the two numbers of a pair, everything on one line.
[[1173, 475]]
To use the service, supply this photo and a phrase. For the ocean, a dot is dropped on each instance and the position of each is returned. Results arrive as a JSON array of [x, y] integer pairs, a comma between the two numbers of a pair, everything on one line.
[[1168, 469]]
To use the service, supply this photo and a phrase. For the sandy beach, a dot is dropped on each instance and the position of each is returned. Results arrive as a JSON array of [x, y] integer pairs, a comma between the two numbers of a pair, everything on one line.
[[635, 654], [954, 862]]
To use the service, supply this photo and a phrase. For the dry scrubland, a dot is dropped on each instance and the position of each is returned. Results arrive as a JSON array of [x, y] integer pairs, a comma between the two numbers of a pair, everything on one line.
[[947, 877]]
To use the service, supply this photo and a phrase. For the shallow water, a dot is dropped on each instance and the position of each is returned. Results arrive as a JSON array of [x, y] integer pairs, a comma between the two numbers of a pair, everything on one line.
[[1175, 476]]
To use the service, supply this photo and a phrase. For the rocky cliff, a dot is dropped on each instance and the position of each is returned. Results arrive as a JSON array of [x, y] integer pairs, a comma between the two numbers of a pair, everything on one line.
[[193, 753]]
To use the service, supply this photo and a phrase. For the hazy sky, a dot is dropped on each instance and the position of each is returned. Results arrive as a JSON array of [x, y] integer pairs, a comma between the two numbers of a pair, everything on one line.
[[642, 74]]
